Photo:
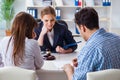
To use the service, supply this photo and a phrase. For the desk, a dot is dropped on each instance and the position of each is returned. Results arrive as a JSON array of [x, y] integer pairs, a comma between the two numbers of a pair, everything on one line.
[[51, 70]]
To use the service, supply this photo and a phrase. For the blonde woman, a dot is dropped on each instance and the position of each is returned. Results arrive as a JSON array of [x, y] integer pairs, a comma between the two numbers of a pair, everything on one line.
[[53, 35]]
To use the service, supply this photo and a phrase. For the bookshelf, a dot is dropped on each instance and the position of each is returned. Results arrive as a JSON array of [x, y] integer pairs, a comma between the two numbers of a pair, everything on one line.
[[69, 8]]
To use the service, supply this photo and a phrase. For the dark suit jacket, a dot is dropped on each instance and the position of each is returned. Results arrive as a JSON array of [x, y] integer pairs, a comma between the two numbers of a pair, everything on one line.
[[62, 37]]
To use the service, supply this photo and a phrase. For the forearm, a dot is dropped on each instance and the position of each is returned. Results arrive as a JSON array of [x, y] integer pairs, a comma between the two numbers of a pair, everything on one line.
[[69, 75], [40, 40], [69, 70]]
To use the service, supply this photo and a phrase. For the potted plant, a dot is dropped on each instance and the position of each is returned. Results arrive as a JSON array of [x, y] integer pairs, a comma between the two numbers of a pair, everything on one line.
[[7, 12]]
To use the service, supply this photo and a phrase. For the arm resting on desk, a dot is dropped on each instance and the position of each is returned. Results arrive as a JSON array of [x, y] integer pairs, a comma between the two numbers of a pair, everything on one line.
[[69, 71]]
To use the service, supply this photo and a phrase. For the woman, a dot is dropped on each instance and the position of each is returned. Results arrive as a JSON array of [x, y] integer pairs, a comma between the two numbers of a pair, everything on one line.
[[20, 49], [53, 35]]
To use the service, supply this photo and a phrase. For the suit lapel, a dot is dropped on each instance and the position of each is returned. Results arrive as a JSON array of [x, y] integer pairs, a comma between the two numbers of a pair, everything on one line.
[[56, 35], [47, 40]]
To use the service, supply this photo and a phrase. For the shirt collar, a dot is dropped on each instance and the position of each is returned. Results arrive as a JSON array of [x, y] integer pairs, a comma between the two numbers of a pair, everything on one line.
[[99, 31], [52, 32]]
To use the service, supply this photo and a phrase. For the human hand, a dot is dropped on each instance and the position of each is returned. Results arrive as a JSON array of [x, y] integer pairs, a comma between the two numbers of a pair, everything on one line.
[[60, 49], [44, 30], [41, 36], [75, 62], [69, 70]]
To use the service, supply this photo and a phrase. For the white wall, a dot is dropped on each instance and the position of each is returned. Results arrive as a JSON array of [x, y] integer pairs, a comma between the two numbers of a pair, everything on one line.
[[19, 6], [115, 15]]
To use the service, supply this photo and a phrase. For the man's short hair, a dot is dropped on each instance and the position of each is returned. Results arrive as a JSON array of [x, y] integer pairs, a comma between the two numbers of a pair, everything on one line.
[[88, 17]]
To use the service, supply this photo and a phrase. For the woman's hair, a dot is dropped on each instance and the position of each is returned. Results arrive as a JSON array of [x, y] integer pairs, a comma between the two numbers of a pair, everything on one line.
[[88, 17], [22, 27], [47, 10]]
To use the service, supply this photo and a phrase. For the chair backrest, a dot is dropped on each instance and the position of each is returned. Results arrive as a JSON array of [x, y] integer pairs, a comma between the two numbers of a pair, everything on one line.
[[16, 73], [109, 74], [62, 22]]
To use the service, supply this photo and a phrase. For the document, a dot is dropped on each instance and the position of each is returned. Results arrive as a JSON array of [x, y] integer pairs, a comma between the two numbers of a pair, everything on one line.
[[60, 64]]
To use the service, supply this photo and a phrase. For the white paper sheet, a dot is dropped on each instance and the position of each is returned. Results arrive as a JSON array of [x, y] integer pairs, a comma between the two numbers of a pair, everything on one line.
[[60, 64]]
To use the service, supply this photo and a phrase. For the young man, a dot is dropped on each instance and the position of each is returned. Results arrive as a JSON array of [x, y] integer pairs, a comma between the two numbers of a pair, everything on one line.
[[101, 51]]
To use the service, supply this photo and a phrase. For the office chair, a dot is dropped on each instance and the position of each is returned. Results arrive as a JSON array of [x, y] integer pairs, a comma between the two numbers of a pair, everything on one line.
[[62, 22], [38, 20], [109, 74], [16, 73]]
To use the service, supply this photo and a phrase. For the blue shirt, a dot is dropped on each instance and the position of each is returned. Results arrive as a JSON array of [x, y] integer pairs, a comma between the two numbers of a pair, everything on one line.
[[101, 51]]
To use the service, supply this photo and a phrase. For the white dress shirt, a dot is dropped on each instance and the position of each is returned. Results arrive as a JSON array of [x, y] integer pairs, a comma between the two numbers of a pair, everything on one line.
[[51, 36]]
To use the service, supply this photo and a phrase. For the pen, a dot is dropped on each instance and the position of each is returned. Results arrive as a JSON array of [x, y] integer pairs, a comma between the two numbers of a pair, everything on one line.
[[72, 44]]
